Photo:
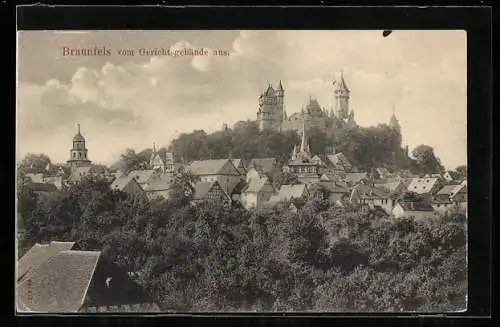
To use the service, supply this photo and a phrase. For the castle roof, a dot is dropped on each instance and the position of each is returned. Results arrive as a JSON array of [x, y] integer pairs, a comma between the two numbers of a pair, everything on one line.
[[341, 85], [280, 86], [270, 91]]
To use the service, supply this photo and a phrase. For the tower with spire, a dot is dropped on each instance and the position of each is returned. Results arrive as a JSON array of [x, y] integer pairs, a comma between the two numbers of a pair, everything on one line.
[[270, 114], [342, 95], [78, 153]]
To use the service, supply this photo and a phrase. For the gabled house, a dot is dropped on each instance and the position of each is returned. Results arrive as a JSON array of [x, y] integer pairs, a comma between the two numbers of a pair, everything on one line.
[[374, 197], [257, 192], [291, 192], [143, 177], [35, 178], [42, 188], [63, 280], [159, 187], [396, 188], [425, 186], [57, 181], [129, 185], [356, 178], [333, 192], [381, 173], [265, 166], [450, 176], [210, 192], [340, 162], [420, 210], [240, 165], [221, 170]]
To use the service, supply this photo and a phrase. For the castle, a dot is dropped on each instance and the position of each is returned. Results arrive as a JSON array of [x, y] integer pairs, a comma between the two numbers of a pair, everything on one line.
[[272, 115]]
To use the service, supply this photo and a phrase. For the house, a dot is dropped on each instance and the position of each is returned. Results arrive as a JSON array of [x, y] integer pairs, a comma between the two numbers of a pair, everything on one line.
[[257, 192], [340, 162], [382, 172], [143, 177], [459, 195], [240, 165], [63, 280], [425, 186], [35, 178], [78, 173], [355, 178], [161, 161], [55, 180], [333, 192], [441, 202], [129, 185], [253, 173], [374, 197], [221, 170], [420, 210], [267, 166], [291, 192], [396, 188], [42, 188], [210, 192], [159, 187], [450, 176]]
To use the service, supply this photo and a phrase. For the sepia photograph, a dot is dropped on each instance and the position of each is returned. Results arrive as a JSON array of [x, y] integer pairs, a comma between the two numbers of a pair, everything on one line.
[[185, 171]]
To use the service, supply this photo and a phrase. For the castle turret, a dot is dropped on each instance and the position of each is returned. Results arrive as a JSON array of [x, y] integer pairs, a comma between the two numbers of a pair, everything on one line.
[[78, 153], [267, 114], [342, 94]]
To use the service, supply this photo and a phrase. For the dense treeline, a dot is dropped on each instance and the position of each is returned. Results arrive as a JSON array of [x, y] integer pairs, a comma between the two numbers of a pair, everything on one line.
[[219, 257]]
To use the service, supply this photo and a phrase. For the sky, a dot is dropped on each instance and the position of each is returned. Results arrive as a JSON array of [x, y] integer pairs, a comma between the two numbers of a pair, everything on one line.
[[132, 101]]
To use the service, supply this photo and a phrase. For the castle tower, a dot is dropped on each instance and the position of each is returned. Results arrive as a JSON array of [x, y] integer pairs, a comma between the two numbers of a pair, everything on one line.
[[267, 113], [280, 97], [78, 153], [394, 124], [342, 94]]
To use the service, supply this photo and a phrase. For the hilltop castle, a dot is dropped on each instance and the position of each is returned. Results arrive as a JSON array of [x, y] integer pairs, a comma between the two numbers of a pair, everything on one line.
[[272, 115]]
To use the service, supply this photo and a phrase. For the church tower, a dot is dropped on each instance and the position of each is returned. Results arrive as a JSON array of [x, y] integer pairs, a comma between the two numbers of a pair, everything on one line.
[[342, 94], [78, 153], [304, 145]]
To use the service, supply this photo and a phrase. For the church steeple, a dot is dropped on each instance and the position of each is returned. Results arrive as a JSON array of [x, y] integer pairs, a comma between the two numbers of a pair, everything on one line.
[[78, 153], [304, 146], [393, 122]]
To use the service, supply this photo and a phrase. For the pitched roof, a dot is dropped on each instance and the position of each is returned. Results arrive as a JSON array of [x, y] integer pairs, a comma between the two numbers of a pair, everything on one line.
[[42, 187], [255, 185], [159, 183], [208, 167], [78, 172], [332, 187], [292, 191], [266, 165], [371, 192], [35, 178], [415, 206], [355, 177], [422, 185], [38, 254], [121, 182], [201, 189], [390, 186], [59, 284], [447, 189], [340, 161], [142, 176]]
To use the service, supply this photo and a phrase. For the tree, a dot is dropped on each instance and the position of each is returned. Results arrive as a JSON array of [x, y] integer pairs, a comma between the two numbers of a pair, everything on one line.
[[34, 163], [132, 161], [461, 172], [426, 160]]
